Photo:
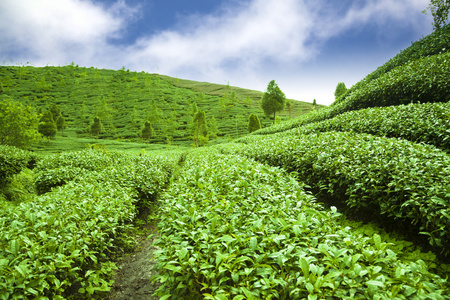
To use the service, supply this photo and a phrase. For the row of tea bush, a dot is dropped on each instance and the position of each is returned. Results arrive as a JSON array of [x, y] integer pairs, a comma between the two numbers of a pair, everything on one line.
[[399, 179], [58, 244], [233, 228]]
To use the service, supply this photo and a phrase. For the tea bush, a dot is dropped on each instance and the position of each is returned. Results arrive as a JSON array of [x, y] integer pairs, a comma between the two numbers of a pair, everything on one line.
[[12, 161], [428, 123], [396, 178], [236, 229], [424, 80], [435, 43], [58, 244], [48, 179]]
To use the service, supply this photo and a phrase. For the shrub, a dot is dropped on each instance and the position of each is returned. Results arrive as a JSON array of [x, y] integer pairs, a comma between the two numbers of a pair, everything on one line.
[[402, 180], [12, 161], [435, 43], [48, 179], [59, 243], [428, 123], [236, 229]]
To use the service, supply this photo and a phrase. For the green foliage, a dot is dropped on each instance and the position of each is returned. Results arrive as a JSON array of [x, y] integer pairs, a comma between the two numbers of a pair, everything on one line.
[[56, 111], [398, 179], [12, 161], [20, 187], [421, 123], [213, 131], [47, 126], [61, 241], [273, 100], [439, 10], [46, 180], [232, 228], [253, 123], [200, 128], [18, 124], [422, 80], [125, 100], [96, 127], [433, 44], [341, 89], [61, 123], [147, 131]]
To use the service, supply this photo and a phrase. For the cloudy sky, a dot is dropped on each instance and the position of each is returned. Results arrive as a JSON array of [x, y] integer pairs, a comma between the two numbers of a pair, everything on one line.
[[307, 46]]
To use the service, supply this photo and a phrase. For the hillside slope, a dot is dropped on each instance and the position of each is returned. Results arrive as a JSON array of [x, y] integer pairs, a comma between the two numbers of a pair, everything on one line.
[[124, 100]]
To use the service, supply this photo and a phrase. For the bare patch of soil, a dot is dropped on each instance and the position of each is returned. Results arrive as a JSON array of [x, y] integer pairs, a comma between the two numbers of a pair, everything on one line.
[[132, 280]]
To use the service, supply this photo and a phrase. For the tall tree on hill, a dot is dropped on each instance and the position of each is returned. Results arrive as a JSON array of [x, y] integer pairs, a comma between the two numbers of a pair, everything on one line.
[[18, 124], [147, 131], [200, 132], [96, 127], [273, 100], [61, 124], [47, 126], [56, 111], [253, 123], [439, 10], [212, 128], [340, 90]]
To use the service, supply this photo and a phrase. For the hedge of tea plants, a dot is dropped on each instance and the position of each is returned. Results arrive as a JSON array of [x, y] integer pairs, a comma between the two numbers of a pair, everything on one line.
[[427, 123], [399, 179], [12, 161], [424, 80], [58, 244], [435, 43], [232, 228]]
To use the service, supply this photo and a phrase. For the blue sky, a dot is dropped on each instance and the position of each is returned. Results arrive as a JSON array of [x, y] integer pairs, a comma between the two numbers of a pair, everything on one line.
[[307, 46]]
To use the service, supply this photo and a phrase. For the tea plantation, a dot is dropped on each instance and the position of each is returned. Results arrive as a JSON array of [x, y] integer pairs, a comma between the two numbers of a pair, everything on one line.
[[351, 201]]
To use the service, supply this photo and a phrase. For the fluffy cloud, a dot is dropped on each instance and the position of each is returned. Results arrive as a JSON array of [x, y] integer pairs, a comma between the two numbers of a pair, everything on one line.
[[246, 41], [53, 30]]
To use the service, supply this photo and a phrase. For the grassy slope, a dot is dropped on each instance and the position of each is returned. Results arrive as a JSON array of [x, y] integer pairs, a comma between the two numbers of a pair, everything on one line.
[[124, 100]]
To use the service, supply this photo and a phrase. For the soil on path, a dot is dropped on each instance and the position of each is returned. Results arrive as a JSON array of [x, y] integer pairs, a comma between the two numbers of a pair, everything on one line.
[[132, 279]]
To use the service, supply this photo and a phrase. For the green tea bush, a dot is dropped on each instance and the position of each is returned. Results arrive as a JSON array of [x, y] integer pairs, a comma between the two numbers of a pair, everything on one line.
[[424, 80], [91, 160], [12, 161], [56, 241], [48, 179], [20, 187], [435, 43], [236, 229], [396, 178], [428, 123], [58, 244]]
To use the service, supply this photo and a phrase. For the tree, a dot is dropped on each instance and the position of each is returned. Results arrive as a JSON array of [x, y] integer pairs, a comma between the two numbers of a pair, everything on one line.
[[56, 111], [340, 90], [61, 123], [273, 100], [314, 104], [253, 123], [212, 127], [18, 124], [200, 133], [147, 131], [96, 127], [439, 10], [47, 126]]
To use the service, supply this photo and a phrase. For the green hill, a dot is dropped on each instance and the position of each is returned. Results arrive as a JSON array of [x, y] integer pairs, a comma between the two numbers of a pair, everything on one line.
[[125, 100]]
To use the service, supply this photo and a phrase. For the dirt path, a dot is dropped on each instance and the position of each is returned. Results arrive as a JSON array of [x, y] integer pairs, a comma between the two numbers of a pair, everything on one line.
[[132, 280]]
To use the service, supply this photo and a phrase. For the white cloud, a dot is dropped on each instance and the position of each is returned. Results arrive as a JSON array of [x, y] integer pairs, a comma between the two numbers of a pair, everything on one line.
[[246, 42], [51, 30]]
